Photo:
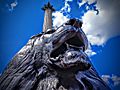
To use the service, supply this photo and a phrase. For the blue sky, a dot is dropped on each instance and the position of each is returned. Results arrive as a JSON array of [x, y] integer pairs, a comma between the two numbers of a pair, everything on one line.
[[19, 20]]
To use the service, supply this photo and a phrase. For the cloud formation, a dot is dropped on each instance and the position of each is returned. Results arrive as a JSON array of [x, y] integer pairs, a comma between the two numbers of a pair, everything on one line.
[[100, 28], [12, 5], [114, 79], [59, 18], [94, 30], [90, 52], [81, 2]]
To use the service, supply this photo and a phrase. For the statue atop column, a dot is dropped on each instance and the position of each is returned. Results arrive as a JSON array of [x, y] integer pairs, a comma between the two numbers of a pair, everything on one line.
[[56, 62]]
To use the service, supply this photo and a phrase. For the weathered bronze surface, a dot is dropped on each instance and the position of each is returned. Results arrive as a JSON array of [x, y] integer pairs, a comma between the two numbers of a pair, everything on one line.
[[54, 60]]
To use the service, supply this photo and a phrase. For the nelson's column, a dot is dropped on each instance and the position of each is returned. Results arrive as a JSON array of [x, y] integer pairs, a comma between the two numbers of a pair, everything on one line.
[[53, 60]]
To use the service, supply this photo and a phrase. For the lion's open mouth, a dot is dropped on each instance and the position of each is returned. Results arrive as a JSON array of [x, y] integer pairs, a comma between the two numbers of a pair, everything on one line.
[[70, 45], [69, 39]]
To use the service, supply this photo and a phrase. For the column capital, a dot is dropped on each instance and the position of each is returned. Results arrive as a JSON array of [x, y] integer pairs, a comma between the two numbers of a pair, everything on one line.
[[48, 6]]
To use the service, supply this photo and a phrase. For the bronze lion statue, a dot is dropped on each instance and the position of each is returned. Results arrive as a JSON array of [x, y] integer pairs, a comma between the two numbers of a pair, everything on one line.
[[53, 60]]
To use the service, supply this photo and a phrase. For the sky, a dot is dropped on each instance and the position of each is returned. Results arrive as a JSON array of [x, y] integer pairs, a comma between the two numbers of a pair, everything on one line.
[[19, 20]]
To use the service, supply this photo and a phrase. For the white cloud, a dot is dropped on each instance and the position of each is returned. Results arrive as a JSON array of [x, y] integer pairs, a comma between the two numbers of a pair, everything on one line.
[[12, 5], [90, 52], [114, 78], [84, 1], [106, 78], [59, 18], [100, 28], [66, 7], [93, 26]]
